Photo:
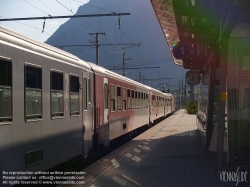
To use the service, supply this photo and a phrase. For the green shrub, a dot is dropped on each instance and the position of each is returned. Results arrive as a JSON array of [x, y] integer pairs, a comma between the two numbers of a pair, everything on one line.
[[191, 107]]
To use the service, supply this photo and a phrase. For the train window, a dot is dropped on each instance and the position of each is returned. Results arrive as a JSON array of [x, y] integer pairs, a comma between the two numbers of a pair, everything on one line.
[[33, 93], [142, 100], [118, 98], [57, 94], [112, 98], [74, 95], [136, 100], [145, 103], [5, 91], [124, 99], [85, 94], [105, 96], [128, 95], [89, 90], [133, 99]]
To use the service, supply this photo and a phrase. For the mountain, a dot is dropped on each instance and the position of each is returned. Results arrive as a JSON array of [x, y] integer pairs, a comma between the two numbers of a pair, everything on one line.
[[139, 27]]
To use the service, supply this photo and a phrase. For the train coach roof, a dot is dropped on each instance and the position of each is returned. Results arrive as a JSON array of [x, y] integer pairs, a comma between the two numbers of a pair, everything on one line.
[[14, 38], [158, 91], [104, 71], [167, 94], [20, 40]]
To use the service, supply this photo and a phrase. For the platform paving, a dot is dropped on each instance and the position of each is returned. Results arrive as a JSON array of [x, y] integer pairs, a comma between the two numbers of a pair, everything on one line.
[[168, 154]]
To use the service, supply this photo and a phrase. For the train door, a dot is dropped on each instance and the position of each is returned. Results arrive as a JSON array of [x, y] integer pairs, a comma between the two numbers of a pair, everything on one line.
[[87, 110], [106, 112]]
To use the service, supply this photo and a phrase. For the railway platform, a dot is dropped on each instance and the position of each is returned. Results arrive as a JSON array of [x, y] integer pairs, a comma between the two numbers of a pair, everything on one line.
[[168, 154]]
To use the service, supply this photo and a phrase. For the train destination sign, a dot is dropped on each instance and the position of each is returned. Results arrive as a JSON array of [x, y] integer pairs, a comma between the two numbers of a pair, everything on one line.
[[181, 50], [201, 50], [186, 50]]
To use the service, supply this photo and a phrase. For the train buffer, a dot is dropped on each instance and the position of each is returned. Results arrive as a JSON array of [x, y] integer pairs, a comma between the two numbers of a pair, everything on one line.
[[168, 154]]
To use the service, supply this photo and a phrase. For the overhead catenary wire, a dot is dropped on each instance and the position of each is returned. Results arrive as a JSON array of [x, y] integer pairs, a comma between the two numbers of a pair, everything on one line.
[[70, 11], [27, 25], [78, 49], [95, 6], [155, 60], [129, 40], [120, 48], [70, 5], [43, 31], [58, 15], [158, 61], [77, 45], [133, 60], [88, 24], [100, 22], [36, 8], [105, 10], [93, 27], [76, 15], [80, 18], [103, 48], [139, 65], [48, 7], [135, 68], [151, 61]]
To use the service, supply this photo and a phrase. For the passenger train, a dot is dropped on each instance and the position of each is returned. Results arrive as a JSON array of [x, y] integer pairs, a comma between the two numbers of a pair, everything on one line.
[[55, 106]]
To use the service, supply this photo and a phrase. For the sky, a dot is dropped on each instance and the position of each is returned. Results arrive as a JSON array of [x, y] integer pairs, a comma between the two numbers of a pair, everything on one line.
[[42, 8], [37, 8]]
